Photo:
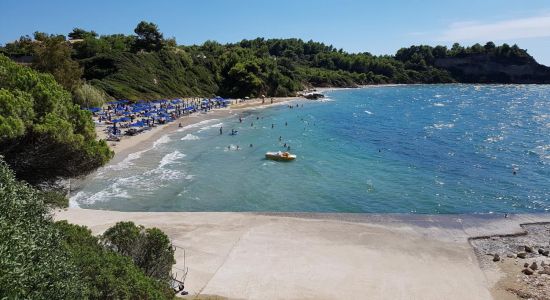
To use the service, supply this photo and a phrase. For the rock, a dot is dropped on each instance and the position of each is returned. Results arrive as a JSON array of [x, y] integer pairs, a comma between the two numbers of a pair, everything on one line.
[[496, 257], [526, 265], [534, 266], [528, 249], [541, 250], [545, 271], [511, 255], [546, 253], [522, 255], [527, 272]]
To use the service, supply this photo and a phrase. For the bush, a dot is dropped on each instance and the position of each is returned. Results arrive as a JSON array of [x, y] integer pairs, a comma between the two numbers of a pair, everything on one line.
[[107, 274], [33, 262], [150, 249], [89, 96]]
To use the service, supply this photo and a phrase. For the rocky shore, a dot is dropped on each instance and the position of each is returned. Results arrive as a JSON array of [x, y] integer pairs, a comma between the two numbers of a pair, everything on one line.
[[521, 259]]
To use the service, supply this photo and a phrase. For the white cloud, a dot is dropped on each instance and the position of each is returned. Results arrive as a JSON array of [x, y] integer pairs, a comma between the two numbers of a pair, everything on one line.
[[532, 27]]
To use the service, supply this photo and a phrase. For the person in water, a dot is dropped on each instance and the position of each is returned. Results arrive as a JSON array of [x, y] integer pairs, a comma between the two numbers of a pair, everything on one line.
[[280, 138], [284, 145], [179, 125], [252, 124], [221, 130], [272, 125], [240, 120], [288, 148], [237, 147], [286, 123], [250, 145]]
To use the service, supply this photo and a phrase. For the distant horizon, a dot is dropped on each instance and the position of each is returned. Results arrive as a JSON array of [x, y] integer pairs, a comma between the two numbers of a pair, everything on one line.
[[380, 28]]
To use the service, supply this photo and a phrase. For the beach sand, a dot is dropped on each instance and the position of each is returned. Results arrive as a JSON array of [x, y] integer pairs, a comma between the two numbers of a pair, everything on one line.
[[322, 256], [128, 144]]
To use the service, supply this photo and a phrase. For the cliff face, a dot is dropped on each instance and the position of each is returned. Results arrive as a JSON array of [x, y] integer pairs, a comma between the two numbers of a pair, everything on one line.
[[486, 68]]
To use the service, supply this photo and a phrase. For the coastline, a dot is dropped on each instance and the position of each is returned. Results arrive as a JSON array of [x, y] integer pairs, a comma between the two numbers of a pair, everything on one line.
[[128, 145], [325, 256]]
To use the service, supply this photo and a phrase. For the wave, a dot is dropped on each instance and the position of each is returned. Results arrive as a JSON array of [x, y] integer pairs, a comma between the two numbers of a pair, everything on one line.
[[195, 125], [171, 158], [127, 162], [162, 140], [190, 137], [494, 139], [443, 125], [439, 104], [210, 126], [368, 112]]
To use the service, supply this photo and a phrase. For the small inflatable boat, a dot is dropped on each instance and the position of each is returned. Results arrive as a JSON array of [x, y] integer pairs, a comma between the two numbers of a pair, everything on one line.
[[280, 156]]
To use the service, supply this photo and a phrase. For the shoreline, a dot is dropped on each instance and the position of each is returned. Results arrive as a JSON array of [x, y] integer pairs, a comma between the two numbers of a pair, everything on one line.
[[144, 140], [325, 255]]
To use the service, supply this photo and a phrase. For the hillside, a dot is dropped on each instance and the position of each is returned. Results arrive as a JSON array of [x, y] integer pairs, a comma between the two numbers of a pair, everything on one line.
[[147, 66]]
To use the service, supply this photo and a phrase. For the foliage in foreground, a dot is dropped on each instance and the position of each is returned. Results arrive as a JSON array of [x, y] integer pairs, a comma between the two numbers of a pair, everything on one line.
[[40, 259], [33, 262], [43, 135], [107, 274]]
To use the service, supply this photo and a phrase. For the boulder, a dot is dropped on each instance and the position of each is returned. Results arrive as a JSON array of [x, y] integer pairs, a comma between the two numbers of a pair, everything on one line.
[[527, 271], [522, 255], [534, 266], [496, 257], [528, 249], [526, 265]]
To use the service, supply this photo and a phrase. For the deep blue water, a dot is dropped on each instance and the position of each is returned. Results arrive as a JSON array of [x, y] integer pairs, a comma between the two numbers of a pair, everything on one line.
[[407, 149]]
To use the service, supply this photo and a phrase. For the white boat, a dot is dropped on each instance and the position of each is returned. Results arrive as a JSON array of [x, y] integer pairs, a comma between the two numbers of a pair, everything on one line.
[[280, 156]]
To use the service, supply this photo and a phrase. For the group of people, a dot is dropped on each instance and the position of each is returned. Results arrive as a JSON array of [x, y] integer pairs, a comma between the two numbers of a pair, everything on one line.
[[234, 132]]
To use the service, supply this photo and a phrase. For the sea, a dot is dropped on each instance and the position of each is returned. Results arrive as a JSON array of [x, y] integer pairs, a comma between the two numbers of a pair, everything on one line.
[[415, 149]]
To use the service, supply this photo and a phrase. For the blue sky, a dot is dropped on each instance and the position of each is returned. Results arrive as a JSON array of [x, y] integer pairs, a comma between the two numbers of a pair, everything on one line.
[[380, 27]]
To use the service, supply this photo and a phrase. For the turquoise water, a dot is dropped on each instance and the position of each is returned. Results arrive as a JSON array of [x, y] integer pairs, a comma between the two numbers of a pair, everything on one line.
[[401, 149]]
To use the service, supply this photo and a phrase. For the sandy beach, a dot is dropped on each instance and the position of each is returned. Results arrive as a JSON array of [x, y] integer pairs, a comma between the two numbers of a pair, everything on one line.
[[324, 256], [128, 144]]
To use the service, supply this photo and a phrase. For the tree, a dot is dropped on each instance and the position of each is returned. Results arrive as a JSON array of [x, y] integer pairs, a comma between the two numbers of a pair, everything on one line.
[[33, 262], [150, 249], [489, 46], [43, 135], [149, 38], [105, 273], [79, 33], [53, 55]]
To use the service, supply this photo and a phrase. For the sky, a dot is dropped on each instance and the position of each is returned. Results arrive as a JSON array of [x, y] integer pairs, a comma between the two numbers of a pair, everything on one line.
[[378, 27]]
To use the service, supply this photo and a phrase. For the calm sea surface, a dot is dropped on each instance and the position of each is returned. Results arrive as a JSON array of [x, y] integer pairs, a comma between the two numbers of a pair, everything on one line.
[[403, 149]]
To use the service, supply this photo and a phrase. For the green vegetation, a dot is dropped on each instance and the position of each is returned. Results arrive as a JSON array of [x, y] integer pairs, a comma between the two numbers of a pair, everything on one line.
[[89, 96], [41, 259], [43, 135], [148, 66], [150, 249]]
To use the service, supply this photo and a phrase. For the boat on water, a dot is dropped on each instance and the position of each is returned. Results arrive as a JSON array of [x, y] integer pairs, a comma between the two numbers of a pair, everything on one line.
[[280, 156]]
